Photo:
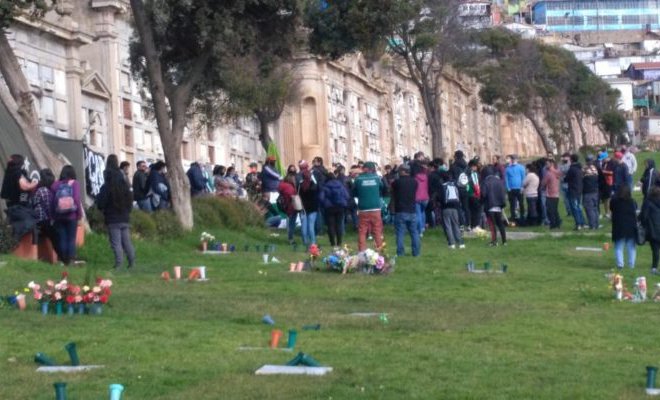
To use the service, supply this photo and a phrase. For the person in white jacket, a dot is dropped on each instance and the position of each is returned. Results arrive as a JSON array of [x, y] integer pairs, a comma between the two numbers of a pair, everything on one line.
[[631, 162], [531, 193]]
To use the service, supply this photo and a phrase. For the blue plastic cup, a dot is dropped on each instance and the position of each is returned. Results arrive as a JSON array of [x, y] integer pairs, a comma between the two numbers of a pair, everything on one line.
[[268, 320], [116, 391]]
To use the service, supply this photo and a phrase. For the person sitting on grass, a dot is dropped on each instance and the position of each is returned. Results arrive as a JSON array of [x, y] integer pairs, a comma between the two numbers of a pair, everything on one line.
[[624, 225], [493, 195]]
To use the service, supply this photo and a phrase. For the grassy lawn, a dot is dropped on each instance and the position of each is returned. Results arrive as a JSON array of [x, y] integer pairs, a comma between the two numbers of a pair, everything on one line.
[[548, 329]]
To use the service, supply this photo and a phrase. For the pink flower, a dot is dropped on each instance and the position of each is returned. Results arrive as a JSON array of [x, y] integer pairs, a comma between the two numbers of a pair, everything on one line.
[[78, 298], [57, 296], [96, 289], [37, 295], [50, 283]]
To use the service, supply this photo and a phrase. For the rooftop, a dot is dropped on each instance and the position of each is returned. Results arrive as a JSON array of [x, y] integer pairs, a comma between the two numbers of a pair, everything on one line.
[[645, 65]]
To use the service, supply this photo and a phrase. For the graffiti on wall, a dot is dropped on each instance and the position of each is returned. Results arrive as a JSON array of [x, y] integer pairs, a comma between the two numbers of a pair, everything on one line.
[[94, 167]]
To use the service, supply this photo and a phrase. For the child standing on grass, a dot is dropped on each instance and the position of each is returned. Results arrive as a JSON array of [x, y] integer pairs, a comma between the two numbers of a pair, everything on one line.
[[493, 194], [624, 225]]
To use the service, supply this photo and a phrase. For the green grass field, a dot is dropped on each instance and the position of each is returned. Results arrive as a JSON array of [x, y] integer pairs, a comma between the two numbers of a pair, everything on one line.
[[548, 329]]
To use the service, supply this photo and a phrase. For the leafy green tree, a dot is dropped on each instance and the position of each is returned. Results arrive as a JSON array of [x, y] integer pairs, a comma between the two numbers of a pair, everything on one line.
[[180, 50], [614, 123], [426, 34], [17, 96]]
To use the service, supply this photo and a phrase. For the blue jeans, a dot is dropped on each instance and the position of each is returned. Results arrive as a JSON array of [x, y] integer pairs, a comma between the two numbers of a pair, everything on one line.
[[631, 247], [576, 209], [420, 210], [544, 208], [567, 203], [308, 226], [403, 222], [145, 205], [66, 239], [291, 226]]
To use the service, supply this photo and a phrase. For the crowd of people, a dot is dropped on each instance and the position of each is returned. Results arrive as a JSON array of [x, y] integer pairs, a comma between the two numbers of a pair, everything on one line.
[[419, 194]]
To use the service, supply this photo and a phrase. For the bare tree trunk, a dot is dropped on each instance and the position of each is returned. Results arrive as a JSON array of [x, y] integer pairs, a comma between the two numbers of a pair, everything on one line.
[[264, 135], [540, 131], [21, 101], [434, 119], [580, 120]]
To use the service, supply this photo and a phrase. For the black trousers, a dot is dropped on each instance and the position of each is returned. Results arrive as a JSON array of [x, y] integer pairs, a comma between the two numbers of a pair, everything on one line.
[[476, 209], [496, 223], [333, 218], [515, 201], [533, 211], [553, 212], [655, 250], [464, 215]]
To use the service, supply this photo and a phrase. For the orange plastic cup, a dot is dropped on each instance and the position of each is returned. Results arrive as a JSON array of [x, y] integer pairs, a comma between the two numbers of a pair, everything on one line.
[[292, 267], [275, 336], [606, 246], [165, 275], [20, 300]]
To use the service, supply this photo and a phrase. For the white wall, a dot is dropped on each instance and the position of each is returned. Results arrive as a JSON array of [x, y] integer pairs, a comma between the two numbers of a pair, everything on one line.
[[626, 99]]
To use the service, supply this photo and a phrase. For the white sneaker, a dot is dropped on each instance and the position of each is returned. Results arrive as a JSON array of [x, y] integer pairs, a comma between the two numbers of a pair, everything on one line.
[[461, 246], [452, 246]]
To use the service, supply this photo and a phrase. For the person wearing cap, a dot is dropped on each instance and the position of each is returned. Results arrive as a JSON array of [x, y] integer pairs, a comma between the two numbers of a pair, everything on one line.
[[270, 178], [514, 176], [620, 172], [403, 205], [368, 188], [590, 193], [253, 183], [631, 162]]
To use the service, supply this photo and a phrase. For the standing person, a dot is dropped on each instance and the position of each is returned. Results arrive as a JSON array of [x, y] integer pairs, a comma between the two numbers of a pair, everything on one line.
[[115, 201], [368, 188], [232, 176], [16, 186], [474, 192], [319, 171], [531, 193], [514, 178], [542, 166], [493, 194], [451, 204], [624, 225], [650, 177], [435, 186], [334, 200], [253, 183], [500, 168], [159, 186], [422, 196], [43, 201], [140, 187], [197, 180], [590, 193], [286, 190], [650, 220], [125, 166], [67, 211], [631, 163], [403, 204], [309, 194], [458, 171], [620, 172], [270, 178], [574, 181], [606, 183], [551, 185], [563, 169]]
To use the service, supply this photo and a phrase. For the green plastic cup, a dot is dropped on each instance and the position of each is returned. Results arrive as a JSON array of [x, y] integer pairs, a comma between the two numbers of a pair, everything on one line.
[[43, 359], [73, 353], [60, 390], [293, 336]]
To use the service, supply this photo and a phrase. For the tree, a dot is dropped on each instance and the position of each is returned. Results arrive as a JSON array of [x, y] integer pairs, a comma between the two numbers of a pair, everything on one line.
[[427, 35], [179, 51], [614, 123], [18, 96]]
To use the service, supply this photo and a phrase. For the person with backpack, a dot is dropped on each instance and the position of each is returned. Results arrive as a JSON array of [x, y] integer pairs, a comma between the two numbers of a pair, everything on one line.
[[334, 200], [624, 226], [66, 211], [403, 204], [493, 195], [650, 177], [116, 202], [650, 220], [459, 175], [450, 204], [514, 178]]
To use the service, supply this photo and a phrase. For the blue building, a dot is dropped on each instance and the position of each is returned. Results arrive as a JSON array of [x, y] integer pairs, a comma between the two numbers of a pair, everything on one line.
[[596, 15]]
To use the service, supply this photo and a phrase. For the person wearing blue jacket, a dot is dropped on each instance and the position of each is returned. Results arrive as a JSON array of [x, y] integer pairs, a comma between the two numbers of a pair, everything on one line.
[[334, 199], [514, 178]]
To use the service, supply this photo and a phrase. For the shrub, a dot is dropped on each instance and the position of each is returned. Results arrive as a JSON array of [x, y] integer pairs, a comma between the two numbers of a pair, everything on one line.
[[213, 212], [204, 213], [143, 224], [167, 225], [7, 241], [95, 219]]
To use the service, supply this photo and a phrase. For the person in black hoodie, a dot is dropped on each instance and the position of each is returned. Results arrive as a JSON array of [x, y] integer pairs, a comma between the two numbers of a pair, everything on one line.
[[573, 179], [334, 200], [460, 167], [590, 194], [403, 205], [116, 202], [650, 177], [624, 226], [650, 220], [493, 195]]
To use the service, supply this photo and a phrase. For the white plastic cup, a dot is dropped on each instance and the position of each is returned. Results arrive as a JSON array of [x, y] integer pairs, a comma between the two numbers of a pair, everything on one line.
[[177, 272], [20, 301], [265, 258], [202, 273]]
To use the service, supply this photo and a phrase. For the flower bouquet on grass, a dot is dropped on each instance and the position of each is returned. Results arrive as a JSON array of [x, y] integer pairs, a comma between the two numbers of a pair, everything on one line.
[[337, 260], [314, 254], [98, 295], [75, 297], [376, 262], [205, 239]]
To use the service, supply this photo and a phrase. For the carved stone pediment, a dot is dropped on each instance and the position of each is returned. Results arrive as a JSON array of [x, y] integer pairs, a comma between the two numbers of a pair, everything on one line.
[[93, 84]]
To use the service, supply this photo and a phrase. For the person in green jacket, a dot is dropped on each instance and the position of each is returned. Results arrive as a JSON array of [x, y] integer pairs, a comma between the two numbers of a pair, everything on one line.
[[368, 188]]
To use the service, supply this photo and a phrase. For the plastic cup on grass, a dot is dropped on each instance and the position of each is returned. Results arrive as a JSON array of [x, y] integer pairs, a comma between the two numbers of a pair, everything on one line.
[[60, 390], [275, 336], [43, 359], [293, 336], [73, 353], [268, 320], [651, 372], [202, 273], [20, 302], [265, 258], [177, 272], [292, 267], [115, 391]]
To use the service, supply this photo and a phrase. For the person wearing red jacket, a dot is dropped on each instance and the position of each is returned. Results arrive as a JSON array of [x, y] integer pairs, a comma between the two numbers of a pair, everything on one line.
[[287, 189]]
